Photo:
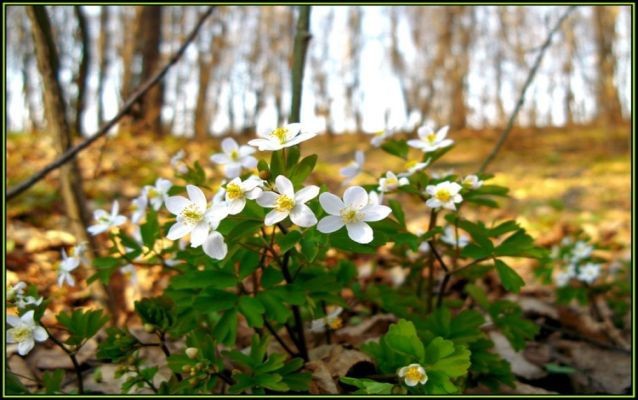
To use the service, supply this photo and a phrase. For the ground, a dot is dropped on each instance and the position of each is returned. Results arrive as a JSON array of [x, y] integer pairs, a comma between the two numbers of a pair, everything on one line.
[[561, 180]]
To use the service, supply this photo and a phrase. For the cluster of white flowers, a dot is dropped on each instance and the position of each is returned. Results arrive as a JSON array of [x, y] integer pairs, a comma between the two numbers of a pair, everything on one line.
[[580, 251], [69, 263], [16, 295], [331, 321]]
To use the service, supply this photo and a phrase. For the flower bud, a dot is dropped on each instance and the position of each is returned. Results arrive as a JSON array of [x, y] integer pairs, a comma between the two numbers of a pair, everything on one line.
[[149, 328], [265, 174], [192, 352]]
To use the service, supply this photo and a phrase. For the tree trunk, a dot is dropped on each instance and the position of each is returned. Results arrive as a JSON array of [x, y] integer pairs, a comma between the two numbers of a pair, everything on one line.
[[85, 61], [150, 117], [55, 109], [104, 63], [609, 110], [201, 116]]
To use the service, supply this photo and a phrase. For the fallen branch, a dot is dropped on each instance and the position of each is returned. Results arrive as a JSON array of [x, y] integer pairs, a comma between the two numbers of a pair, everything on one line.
[[528, 82], [126, 109]]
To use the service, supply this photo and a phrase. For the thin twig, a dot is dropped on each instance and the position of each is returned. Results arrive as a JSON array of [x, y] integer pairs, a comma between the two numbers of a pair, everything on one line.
[[126, 108], [528, 82], [74, 360]]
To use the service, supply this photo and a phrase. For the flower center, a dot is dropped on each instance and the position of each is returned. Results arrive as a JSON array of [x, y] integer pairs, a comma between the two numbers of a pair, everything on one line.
[[335, 323], [153, 193], [21, 333], [234, 155], [191, 214], [413, 374], [443, 195], [431, 137], [234, 192], [105, 219], [379, 134], [391, 181], [284, 203], [280, 133], [410, 164], [348, 215]]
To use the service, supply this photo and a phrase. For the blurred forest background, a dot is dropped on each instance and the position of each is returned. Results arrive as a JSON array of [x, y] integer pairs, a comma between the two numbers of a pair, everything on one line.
[[368, 67]]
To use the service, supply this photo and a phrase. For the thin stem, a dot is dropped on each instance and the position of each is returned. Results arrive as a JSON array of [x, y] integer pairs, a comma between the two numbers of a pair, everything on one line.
[[430, 293], [279, 339], [74, 360], [147, 381], [166, 351]]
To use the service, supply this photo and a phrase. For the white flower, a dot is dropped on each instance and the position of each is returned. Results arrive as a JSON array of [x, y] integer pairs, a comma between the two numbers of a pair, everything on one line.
[[449, 237], [190, 215], [139, 208], [130, 273], [589, 272], [562, 278], [234, 157], [288, 203], [79, 251], [332, 321], [106, 221], [413, 375], [413, 166], [424, 247], [282, 137], [158, 194], [444, 194], [375, 198], [581, 251], [442, 173], [353, 212], [25, 332], [177, 163], [236, 193], [429, 141], [566, 241], [472, 182], [354, 168], [380, 136], [25, 301], [391, 182], [398, 275], [16, 291], [67, 265]]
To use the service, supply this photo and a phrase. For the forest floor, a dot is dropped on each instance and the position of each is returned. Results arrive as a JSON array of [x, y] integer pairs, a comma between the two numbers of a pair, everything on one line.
[[560, 181]]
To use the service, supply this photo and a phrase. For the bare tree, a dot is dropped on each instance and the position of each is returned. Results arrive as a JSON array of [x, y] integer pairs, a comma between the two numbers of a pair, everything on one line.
[[608, 103], [104, 44], [83, 72]]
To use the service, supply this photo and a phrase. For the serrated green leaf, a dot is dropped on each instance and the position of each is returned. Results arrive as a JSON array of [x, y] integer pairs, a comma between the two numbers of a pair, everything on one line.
[[253, 310], [289, 240], [510, 279]]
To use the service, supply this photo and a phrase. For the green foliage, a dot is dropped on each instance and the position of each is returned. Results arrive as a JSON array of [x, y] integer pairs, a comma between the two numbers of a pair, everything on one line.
[[510, 279], [81, 325], [118, 345], [368, 386], [397, 148], [157, 311], [52, 381], [261, 371]]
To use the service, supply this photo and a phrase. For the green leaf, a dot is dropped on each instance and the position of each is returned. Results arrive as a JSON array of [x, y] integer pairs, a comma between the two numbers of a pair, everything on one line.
[[559, 369], [397, 211], [157, 311], [274, 308], [478, 295], [400, 346], [510, 279], [129, 241], [195, 279], [463, 328], [397, 148], [118, 345], [368, 386], [475, 251], [503, 228], [213, 300], [105, 262], [13, 385], [226, 329], [277, 163], [82, 325], [262, 165], [488, 368], [292, 157], [288, 241], [150, 229], [519, 244], [302, 170], [53, 381], [253, 310], [508, 317]]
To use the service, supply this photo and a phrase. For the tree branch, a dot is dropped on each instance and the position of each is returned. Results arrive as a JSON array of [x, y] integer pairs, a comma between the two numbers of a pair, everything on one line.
[[126, 108], [521, 98]]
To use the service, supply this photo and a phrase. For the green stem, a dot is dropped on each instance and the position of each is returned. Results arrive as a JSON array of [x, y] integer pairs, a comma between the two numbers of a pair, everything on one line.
[[72, 356]]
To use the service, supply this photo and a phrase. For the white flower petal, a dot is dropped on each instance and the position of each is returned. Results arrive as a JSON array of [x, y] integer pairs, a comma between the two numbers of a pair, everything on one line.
[[215, 247], [176, 204], [40, 334], [179, 230], [199, 234], [355, 197], [229, 144], [197, 196], [360, 232], [249, 161], [284, 186], [331, 203], [329, 224], [433, 203], [236, 206], [306, 194], [220, 158], [268, 199], [245, 151], [302, 215], [375, 212], [232, 170], [13, 320], [274, 216], [25, 347]]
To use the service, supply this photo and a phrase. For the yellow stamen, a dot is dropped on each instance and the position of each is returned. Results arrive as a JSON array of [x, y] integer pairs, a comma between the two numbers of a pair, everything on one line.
[[411, 164], [191, 214], [153, 193], [280, 133], [21, 333], [443, 195], [284, 203], [234, 192], [414, 374], [335, 323], [349, 215], [431, 137], [234, 155]]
